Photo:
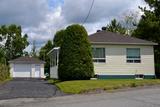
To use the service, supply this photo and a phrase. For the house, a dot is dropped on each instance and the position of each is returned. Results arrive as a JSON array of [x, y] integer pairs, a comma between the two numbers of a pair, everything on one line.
[[117, 56], [27, 67]]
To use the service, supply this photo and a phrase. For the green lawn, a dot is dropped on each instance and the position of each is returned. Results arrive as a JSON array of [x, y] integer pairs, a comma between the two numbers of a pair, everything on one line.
[[81, 86]]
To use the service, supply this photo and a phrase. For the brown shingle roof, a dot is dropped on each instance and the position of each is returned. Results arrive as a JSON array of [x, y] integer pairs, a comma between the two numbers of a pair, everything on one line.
[[27, 60], [105, 37]]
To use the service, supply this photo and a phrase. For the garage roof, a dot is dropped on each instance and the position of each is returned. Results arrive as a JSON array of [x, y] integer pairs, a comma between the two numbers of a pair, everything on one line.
[[106, 37], [27, 60]]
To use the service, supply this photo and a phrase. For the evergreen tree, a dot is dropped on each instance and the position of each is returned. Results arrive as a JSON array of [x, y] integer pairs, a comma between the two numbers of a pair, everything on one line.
[[75, 59], [116, 27], [43, 55], [58, 38], [149, 28]]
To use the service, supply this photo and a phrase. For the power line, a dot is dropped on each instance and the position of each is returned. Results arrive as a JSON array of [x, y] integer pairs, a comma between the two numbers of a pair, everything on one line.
[[89, 12]]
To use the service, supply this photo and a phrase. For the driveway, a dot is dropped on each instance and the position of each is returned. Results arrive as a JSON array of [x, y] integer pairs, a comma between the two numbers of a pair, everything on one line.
[[28, 88], [146, 97]]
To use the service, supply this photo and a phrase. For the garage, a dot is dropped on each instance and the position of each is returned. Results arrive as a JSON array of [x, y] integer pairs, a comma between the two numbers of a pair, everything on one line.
[[27, 67], [22, 70]]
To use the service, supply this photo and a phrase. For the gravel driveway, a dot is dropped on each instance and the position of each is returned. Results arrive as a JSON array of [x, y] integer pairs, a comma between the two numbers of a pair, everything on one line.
[[28, 88]]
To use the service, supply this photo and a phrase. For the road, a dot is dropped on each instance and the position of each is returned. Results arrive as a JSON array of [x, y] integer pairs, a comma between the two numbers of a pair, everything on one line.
[[147, 97]]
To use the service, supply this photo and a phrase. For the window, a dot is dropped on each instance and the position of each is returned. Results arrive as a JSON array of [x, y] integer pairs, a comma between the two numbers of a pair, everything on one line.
[[139, 76], [133, 55], [99, 55], [54, 58]]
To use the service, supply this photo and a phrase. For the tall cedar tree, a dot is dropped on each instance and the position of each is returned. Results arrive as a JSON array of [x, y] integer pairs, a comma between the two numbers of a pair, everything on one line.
[[149, 28], [58, 38], [75, 59]]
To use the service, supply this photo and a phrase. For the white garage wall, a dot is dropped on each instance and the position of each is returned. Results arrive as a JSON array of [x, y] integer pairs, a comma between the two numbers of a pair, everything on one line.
[[30, 67]]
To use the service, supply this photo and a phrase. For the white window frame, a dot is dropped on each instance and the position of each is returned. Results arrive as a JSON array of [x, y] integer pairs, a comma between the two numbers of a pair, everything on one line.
[[133, 60], [97, 60]]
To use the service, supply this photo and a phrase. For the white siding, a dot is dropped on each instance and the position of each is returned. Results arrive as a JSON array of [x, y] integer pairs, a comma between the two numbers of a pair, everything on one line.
[[116, 61], [54, 72], [42, 71], [25, 70]]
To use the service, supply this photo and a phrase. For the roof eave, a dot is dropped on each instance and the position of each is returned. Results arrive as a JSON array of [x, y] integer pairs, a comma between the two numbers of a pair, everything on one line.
[[55, 48], [24, 62], [117, 43]]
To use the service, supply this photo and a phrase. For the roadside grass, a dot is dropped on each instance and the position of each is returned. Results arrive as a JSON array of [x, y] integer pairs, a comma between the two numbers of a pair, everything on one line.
[[84, 86], [53, 81]]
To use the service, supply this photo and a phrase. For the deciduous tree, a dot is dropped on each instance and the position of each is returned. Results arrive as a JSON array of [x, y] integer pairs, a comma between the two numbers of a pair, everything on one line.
[[15, 42]]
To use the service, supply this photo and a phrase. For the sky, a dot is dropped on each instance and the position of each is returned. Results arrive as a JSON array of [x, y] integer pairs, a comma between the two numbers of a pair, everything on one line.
[[40, 19]]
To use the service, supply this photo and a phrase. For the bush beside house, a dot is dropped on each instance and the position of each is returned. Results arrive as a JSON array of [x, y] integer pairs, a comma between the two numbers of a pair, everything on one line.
[[75, 59], [4, 72]]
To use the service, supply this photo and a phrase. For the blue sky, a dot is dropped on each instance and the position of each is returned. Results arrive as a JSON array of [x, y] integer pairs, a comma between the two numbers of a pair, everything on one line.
[[55, 3], [40, 19]]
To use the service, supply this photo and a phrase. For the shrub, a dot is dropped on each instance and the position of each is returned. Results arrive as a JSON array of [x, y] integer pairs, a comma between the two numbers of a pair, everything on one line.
[[4, 72], [75, 59]]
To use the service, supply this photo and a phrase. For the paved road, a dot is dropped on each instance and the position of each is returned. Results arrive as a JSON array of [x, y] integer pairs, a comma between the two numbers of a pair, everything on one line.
[[28, 88], [133, 98]]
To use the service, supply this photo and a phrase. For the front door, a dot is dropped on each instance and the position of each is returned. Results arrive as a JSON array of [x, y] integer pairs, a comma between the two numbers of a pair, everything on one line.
[[37, 71]]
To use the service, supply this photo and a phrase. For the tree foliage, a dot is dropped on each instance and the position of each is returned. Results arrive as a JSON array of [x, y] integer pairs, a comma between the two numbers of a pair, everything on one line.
[[116, 27], [15, 42], [43, 55], [58, 38], [33, 52], [2, 55], [126, 25], [149, 27], [75, 59]]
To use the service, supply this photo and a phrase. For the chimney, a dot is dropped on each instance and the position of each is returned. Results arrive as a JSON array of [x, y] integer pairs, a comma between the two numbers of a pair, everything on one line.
[[98, 30], [104, 28]]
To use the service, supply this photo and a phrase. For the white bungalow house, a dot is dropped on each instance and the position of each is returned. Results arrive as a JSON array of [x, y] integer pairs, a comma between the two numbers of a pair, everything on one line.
[[116, 56]]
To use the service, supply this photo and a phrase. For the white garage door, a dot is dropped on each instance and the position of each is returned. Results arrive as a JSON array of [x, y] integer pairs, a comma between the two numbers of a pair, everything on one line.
[[22, 70]]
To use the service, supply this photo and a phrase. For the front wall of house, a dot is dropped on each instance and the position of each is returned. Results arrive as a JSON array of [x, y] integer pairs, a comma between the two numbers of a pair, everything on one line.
[[116, 64]]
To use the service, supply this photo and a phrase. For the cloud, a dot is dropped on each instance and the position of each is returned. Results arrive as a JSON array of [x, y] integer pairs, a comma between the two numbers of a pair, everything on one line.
[[76, 11], [23, 12], [40, 19]]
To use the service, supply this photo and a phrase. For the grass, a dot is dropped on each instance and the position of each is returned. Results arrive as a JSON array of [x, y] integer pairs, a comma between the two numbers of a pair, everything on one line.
[[53, 81], [83, 86]]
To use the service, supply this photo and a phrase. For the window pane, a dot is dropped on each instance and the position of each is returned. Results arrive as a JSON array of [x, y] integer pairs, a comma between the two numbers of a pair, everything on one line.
[[99, 55], [133, 53], [98, 52], [101, 60]]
